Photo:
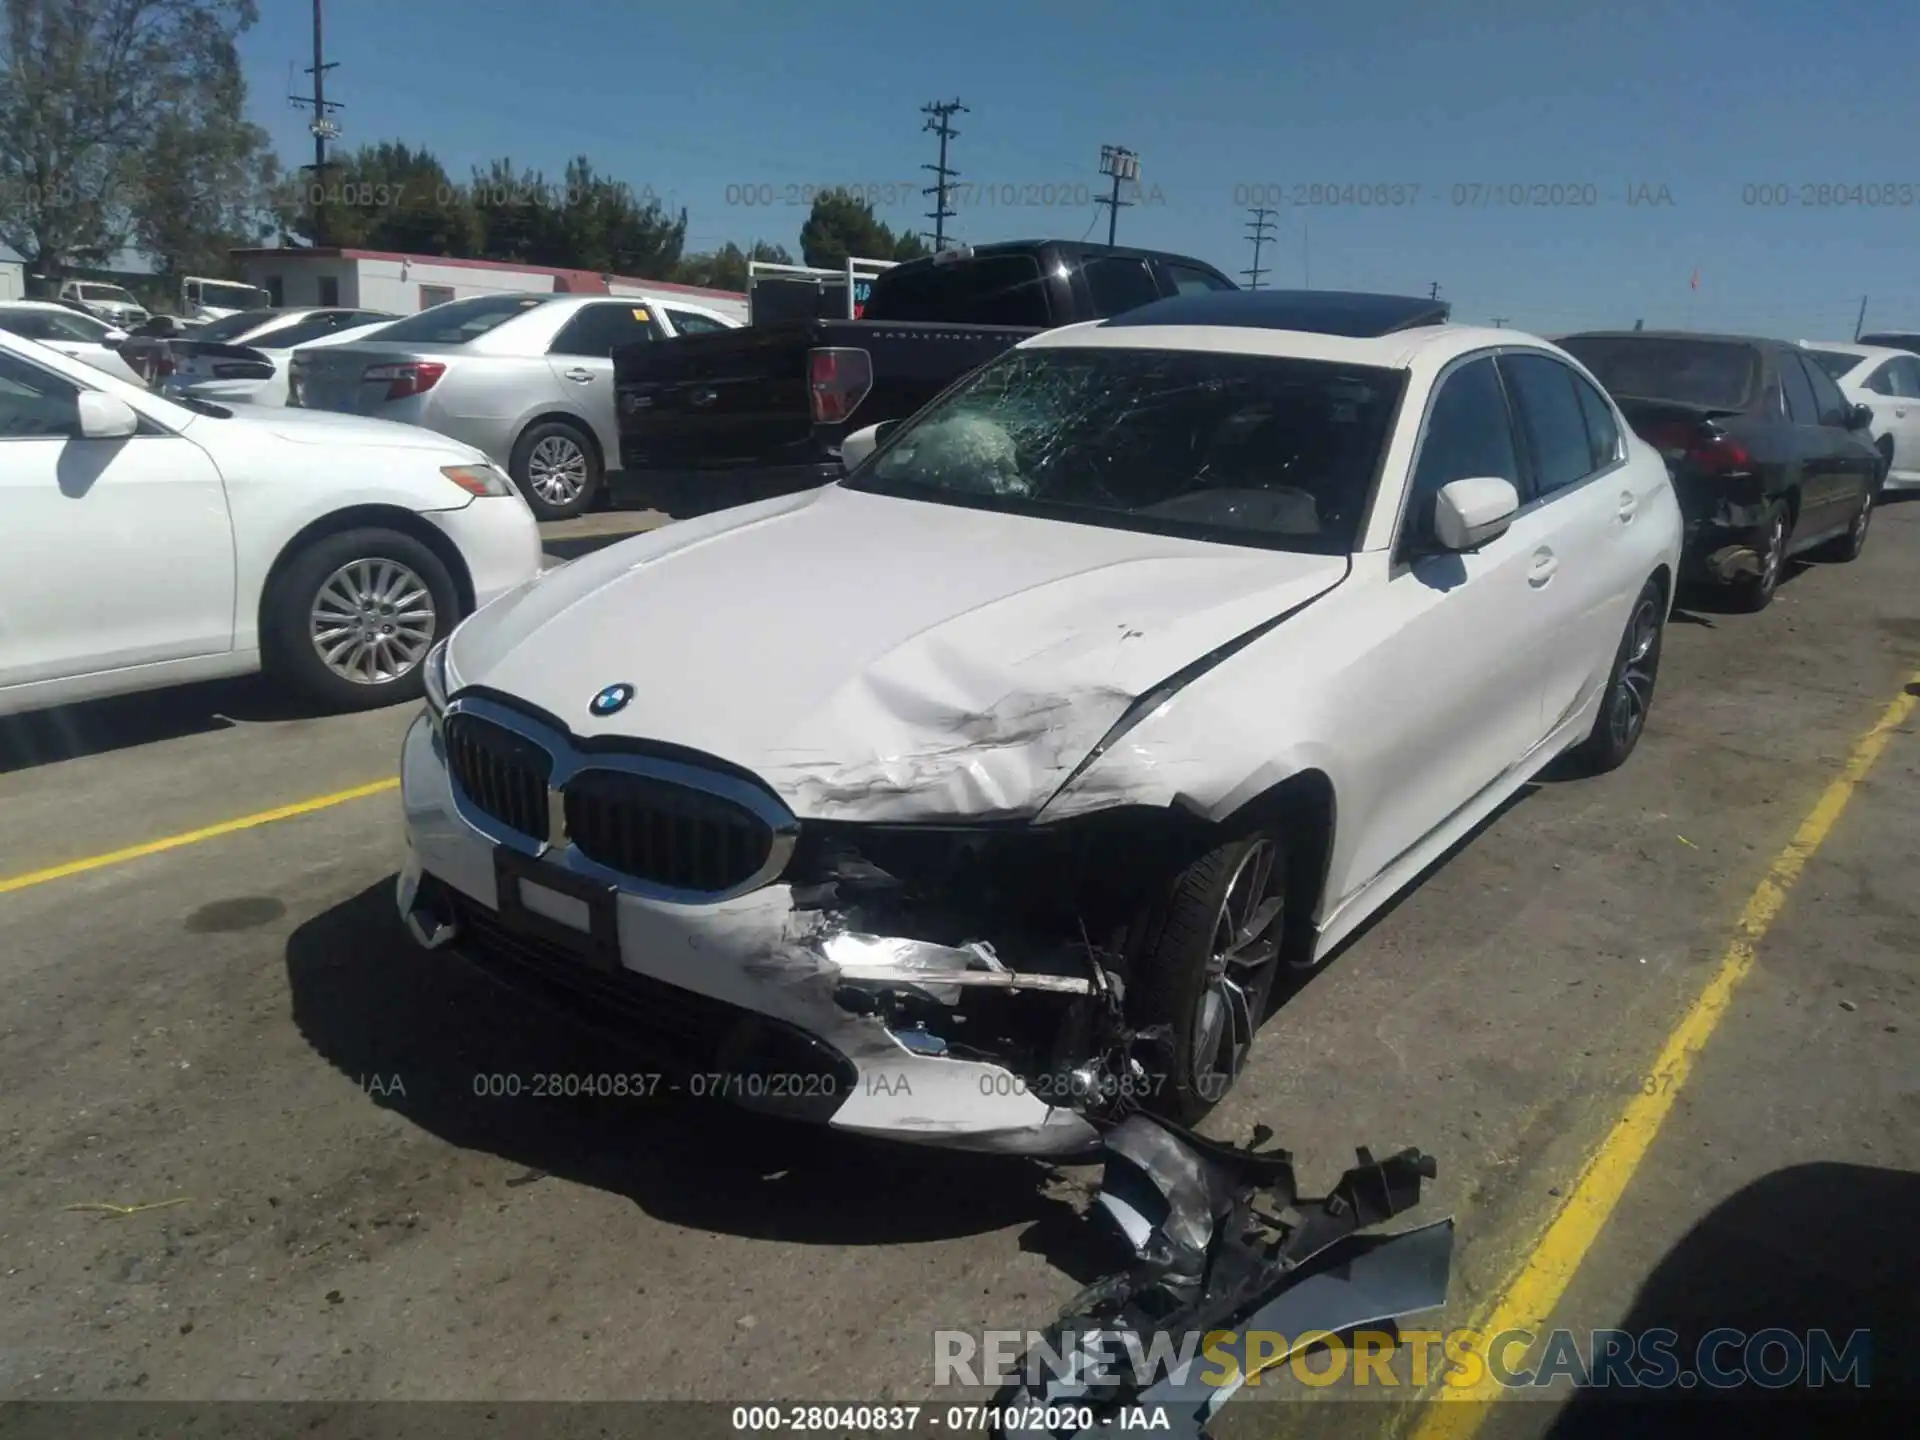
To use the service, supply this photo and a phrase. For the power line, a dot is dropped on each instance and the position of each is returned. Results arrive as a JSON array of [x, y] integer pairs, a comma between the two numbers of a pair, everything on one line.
[[938, 114], [1122, 164], [322, 125], [1259, 235]]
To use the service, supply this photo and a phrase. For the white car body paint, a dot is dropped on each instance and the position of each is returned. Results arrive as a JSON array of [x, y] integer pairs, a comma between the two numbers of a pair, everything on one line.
[[875, 659], [1896, 416], [74, 333], [271, 393], [129, 564]]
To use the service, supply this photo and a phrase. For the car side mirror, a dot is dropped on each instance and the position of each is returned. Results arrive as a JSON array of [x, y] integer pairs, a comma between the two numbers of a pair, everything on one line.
[[1469, 513], [862, 443], [106, 417], [113, 339], [1860, 417]]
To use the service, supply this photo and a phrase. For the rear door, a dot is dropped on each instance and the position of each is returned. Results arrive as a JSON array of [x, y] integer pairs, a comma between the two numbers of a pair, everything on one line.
[[1902, 409], [1831, 460], [1584, 568], [581, 361]]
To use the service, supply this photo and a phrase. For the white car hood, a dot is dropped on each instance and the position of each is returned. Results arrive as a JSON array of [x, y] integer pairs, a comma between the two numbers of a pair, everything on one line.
[[327, 427], [875, 658]]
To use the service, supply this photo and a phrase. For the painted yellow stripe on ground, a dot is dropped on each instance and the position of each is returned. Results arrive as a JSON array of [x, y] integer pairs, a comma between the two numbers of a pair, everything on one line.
[[1528, 1299], [194, 837]]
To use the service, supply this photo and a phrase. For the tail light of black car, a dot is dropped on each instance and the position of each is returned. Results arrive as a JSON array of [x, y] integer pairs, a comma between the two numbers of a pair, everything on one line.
[[1702, 448], [409, 377], [838, 379]]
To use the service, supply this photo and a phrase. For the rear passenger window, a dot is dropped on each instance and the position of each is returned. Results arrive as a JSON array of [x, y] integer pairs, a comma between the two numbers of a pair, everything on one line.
[[1603, 435], [1118, 283], [1189, 281], [1556, 430], [1469, 434], [1826, 395], [1906, 378], [1801, 407]]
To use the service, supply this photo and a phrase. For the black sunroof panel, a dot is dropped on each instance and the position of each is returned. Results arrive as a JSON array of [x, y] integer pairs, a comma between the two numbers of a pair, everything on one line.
[[1321, 312]]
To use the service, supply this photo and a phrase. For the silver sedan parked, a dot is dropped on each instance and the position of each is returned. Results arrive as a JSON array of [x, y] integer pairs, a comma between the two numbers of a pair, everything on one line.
[[526, 378]]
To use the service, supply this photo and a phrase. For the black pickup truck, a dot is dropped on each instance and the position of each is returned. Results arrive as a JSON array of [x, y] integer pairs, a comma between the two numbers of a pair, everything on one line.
[[713, 420]]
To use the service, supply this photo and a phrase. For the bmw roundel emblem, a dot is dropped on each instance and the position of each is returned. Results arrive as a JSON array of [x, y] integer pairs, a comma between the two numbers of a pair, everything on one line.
[[611, 700]]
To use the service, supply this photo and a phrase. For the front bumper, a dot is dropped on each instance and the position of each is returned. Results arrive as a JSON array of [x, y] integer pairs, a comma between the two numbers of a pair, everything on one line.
[[740, 993]]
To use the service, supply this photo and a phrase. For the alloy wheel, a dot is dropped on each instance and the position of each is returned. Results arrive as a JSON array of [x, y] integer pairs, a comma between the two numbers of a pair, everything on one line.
[[1633, 695], [1243, 956], [372, 621], [557, 470], [1862, 521], [1776, 556]]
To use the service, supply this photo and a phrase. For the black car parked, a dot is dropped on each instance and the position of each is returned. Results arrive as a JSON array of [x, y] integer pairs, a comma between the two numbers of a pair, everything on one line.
[[1768, 458]]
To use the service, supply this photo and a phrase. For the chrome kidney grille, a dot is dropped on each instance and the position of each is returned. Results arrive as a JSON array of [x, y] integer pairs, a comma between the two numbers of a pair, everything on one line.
[[651, 826]]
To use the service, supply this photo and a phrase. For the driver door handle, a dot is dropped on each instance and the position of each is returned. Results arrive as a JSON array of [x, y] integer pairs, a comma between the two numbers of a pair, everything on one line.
[[1629, 507], [1544, 564], [583, 377]]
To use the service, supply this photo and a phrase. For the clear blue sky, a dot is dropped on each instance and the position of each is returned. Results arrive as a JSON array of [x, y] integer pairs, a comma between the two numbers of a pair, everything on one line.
[[710, 103]]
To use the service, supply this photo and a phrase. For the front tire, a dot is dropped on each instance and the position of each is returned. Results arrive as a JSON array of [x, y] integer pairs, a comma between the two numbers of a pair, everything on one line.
[[1630, 684], [350, 619], [1205, 969], [557, 468]]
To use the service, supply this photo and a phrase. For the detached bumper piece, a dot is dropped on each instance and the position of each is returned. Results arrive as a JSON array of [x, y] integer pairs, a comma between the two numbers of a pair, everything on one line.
[[1210, 1252]]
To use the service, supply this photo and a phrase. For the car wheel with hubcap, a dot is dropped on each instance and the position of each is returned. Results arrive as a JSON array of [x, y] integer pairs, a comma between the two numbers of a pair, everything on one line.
[[350, 619], [1755, 593], [1204, 971], [1629, 693], [557, 469]]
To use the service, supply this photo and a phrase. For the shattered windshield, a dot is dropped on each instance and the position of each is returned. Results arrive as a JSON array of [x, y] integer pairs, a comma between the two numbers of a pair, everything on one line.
[[1245, 449]]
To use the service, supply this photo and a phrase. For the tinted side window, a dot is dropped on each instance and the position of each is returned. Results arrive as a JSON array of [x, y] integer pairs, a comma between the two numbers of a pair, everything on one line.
[[1881, 380], [1906, 378], [1469, 433], [1556, 430], [1189, 281], [1601, 429], [1118, 283], [36, 403], [1801, 407], [598, 329], [28, 324], [1833, 405], [987, 290], [686, 322]]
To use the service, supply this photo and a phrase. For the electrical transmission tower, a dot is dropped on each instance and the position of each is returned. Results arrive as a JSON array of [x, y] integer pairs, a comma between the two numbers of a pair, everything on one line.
[[1261, 222], [939, 114]]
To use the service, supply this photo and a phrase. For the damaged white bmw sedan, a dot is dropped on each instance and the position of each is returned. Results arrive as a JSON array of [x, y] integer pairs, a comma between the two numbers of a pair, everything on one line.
[[979, 798]]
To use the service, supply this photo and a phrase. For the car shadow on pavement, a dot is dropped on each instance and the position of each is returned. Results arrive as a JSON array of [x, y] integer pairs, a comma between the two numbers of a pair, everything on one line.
[[69, 732], [1820, 1247], [375, 1005]]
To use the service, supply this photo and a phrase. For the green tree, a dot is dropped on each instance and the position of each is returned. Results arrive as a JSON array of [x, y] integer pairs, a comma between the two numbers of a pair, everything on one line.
[[388, 196], [840, 226], [203, 190], [726, 268], [112, 112], [583, 221]]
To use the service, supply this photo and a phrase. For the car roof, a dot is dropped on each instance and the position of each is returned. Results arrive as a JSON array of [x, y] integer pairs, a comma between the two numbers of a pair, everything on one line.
[[1700, 335], [1851, 347], [45, 305], [1358, 314], [1397, 350]]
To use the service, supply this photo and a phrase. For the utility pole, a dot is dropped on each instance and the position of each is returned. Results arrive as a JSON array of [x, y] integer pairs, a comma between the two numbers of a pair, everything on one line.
[[1499, 322], [1433, 292], [1259, 235], [1862, 320], [938, 114], [1122, 164], [323, 126]]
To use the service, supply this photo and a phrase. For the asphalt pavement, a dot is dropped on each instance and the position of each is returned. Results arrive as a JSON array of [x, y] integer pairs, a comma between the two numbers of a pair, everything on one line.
[[231, 1040]]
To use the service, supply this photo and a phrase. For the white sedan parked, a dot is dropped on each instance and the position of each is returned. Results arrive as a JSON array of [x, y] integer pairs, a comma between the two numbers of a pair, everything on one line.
[[985, 792], [71, 332], [145, 541], [1887, 382], [261, 379]]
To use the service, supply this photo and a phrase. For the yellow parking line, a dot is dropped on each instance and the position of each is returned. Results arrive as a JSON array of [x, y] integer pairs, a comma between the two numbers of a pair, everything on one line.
[[1528, 1298], [194, 837]]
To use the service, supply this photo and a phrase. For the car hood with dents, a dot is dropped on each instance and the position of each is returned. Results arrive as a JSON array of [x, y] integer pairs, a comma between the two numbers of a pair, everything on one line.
[[874, 658]]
